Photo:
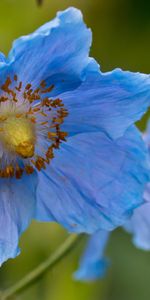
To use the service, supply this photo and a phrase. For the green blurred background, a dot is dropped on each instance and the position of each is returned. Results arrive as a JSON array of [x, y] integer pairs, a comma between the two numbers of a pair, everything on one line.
[[121, 37]]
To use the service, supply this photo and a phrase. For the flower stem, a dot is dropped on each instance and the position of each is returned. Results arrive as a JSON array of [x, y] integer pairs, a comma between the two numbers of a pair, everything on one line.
[[38, 272]]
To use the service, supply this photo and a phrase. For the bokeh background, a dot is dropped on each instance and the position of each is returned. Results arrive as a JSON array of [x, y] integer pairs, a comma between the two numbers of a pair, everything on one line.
[[121, 37]]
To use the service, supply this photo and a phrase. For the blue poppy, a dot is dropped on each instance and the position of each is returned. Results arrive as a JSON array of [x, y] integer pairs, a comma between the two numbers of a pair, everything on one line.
[[69, 150]]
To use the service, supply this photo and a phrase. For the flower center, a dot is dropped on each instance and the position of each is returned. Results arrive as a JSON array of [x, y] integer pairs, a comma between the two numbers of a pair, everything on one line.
[[30, 127], [19, 136]]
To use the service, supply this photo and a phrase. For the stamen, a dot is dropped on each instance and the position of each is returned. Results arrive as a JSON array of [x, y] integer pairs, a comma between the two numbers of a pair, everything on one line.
[[15, 77], [52, 135], [9, 171], [19, 172], [29, 169], [47, 90], [3, 99], [28, 86], [33, 119], [44, 123], [5, 86], [19, 87], [40, 163], [43, 84]]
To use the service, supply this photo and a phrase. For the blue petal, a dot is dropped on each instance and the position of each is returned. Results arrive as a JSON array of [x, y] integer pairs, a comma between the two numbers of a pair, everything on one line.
[[2, 58], [139, 225], [146, 137], [93, 182], [57, 52], [108, 102], [17, 207], [93, 264], [5, 71]]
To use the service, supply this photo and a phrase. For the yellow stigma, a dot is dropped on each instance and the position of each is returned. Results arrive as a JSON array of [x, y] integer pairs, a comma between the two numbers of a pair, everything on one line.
[[19, 136], [25, 149]]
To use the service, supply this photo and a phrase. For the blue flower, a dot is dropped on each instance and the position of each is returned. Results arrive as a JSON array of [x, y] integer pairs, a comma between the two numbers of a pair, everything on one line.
[[69, 150]]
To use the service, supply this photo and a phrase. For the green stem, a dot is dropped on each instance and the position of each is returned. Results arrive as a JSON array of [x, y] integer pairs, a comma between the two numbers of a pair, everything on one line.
[[37, 273]]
